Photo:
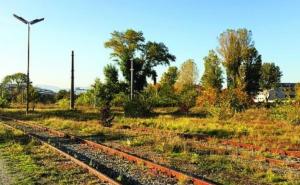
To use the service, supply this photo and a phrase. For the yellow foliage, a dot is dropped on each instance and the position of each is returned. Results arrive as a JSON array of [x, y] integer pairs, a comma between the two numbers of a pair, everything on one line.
[[207, 97]]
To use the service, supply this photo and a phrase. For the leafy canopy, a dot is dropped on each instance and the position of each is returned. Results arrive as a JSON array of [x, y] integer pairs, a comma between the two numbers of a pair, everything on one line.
[[212, 77], [170, 76], [241, 60], [188, 75], [270, 76], [131, 46]]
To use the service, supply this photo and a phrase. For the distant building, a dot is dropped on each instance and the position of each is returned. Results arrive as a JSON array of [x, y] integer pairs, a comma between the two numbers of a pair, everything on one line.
[[284, 91], [288, 89]]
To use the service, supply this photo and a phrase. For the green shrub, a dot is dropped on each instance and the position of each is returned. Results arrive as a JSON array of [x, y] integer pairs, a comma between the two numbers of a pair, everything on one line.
[[85, 99], [119, 99], [140, 106], [3, 103], [187, 99], [64, 103]]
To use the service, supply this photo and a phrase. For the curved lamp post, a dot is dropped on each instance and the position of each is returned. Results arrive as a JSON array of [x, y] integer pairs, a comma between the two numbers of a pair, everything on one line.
[[28, 54]]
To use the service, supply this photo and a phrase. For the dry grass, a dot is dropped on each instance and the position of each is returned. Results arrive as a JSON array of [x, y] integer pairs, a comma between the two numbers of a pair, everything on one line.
[[157, 138]]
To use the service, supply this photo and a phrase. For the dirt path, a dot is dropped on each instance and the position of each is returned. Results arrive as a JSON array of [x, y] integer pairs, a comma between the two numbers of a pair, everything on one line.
[[5, 178]]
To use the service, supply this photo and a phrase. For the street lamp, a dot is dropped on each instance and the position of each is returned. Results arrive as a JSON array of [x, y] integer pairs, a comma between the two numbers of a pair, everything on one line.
[[28, 54]]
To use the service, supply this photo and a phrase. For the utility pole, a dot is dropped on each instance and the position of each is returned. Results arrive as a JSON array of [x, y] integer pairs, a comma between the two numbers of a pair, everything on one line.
[[131, 80], [72, 83], [28, 23]]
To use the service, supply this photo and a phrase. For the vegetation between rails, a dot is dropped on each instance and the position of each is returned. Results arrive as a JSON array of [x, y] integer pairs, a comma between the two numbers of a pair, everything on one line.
[[29, 162], [157, 138]]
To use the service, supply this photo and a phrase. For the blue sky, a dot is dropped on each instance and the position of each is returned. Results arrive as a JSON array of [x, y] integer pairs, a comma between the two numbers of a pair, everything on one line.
[[188, 27]]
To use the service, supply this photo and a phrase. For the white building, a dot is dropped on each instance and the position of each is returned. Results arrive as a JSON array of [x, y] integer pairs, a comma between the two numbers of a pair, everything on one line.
[[285, 90]]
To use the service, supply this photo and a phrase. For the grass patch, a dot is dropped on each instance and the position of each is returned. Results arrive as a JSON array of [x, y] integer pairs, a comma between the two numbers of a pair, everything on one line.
[[31, 163]]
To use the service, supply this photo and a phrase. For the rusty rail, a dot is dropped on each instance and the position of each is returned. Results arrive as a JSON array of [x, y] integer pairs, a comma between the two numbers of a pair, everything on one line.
[[111, 151], [258, 148], [91, 170]]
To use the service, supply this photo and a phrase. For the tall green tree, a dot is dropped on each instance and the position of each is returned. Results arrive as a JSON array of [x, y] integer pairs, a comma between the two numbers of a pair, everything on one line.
[[95, 92], [270, 76], [234, 46], [212, 77], [185, 85], [241, 60], [167, 95], [111, 74], [170, 76], [188, 74], [251, 71], [131, 46]]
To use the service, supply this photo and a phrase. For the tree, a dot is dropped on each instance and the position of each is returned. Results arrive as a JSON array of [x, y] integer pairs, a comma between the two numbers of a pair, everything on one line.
[[185, 85], [111, 74], [166, 91], [90, 97], [251, 71], [234, 47], [170, 76], [187, 98], [188, 75], [212, 77], [130, 46], [96, 91], [241, 60], [270, 76], [19, 79], [16, 84]]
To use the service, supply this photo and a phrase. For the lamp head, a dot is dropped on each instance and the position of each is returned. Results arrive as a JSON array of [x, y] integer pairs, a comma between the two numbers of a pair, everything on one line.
[[36, 21], [21, 19]]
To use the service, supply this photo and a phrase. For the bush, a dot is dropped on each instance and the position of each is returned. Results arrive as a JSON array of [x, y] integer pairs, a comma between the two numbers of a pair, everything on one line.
[[85, 99], [208, 97], [187, 99], [64, 103], [235, 99], [3, 103], [224, 105], [287, 113], [140, 106], [119, 99]]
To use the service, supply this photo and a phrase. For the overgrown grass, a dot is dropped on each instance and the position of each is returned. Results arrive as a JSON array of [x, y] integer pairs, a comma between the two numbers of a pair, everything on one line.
[[29, 162], [287, 113], [158, 138], [208, 126]]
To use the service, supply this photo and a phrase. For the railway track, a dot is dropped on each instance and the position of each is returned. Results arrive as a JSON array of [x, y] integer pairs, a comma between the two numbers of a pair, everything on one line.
[[286, 158], [252, 147], [110, 165], [287, 153]]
